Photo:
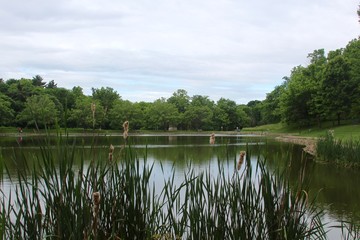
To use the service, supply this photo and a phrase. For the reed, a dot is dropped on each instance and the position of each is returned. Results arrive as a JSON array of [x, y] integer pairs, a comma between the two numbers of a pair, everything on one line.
[[349, 230], [345, 153], [93, 110], [1, 166], [116, 199]]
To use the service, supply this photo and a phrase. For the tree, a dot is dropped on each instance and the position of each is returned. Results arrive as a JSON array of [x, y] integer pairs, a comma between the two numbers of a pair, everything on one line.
[[314, 74], [181, 101], [199, 113], [19, 91], [244, 119], [271, 105], [51, 84], [226, 115], [78, 91], [338, 88], [64, 100], [317, 57], [198, 100], [106, 96], [38, 81], [199, 117], [39, 110], [6, 112], [301, 100], [124, 110], [254, 112], [352, 56], [294, 101], [161, 114], [3, 86], [82, 116]]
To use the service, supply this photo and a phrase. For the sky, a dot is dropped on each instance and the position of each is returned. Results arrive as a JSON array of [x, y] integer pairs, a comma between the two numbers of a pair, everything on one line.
[[234, 49]]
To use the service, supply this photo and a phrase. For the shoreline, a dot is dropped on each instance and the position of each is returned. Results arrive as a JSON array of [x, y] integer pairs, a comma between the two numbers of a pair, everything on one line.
[[308, 142]]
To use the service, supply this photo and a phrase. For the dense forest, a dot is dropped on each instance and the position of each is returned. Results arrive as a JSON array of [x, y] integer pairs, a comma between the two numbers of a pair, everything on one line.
[[327, 89]]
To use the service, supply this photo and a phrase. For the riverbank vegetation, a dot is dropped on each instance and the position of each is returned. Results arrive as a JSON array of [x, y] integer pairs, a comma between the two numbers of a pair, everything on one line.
[[340, 152], [346, 131]]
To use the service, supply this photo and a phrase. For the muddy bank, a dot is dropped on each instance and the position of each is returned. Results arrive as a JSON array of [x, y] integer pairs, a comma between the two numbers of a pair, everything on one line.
[[309, 143]]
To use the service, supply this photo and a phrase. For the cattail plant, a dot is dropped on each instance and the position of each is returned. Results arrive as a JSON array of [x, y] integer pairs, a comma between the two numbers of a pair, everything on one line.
[[111, 151], [212, 138], [93, 109], [341, 152], [96, 207], [241, 160], [126, 130]]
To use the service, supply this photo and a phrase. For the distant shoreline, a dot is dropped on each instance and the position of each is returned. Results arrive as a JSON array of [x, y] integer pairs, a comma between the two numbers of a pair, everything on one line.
[[308, 142]]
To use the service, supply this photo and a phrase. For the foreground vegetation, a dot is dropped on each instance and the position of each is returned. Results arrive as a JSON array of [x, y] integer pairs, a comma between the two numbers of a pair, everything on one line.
[[340, 152], [114, 197]]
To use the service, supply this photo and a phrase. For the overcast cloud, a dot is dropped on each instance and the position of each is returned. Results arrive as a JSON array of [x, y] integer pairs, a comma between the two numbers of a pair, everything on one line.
[[145, 50]]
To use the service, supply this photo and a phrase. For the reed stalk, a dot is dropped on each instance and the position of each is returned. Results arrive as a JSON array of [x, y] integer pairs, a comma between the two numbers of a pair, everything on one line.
[[344, 153], [93, 110]]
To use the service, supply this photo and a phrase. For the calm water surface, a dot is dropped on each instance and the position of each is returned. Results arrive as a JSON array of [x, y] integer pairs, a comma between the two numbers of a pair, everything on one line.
[[339, 194]]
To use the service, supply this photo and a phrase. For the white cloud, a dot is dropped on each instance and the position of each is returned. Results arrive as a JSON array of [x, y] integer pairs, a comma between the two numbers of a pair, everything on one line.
[[148, 49]]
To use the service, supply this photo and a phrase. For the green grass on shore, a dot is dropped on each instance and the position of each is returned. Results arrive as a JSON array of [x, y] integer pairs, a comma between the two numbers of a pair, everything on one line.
[[343, 132]]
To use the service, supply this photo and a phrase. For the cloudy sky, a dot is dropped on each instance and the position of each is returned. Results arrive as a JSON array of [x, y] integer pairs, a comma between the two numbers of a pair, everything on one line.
[[145, 49]]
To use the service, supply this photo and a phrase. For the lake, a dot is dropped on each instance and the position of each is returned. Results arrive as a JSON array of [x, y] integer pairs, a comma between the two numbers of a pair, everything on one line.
[[338, 193]]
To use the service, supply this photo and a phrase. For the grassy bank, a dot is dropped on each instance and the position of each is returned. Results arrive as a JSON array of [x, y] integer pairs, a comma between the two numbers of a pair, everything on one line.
[[339, 145], [343, 132]]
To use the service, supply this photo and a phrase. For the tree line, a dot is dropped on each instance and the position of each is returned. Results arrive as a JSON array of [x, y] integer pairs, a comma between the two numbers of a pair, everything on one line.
[[35, 103], [327, 89]]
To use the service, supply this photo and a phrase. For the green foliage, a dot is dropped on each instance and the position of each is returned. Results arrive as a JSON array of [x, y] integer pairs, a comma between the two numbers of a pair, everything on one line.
[[271, 105], [180, 110], [81, 115], [338, 87], [38, 81], [106, 97], [254, 109], [180, 99], [161, 114], [294, 102], [6, 112], [125, 110], [326, 89], [199, 117], [39, 110], [199, 114], [227, 115]]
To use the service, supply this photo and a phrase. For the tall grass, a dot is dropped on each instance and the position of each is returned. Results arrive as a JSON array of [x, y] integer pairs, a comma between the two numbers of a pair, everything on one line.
[[1, 166], [342, 152], [115, 198]]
